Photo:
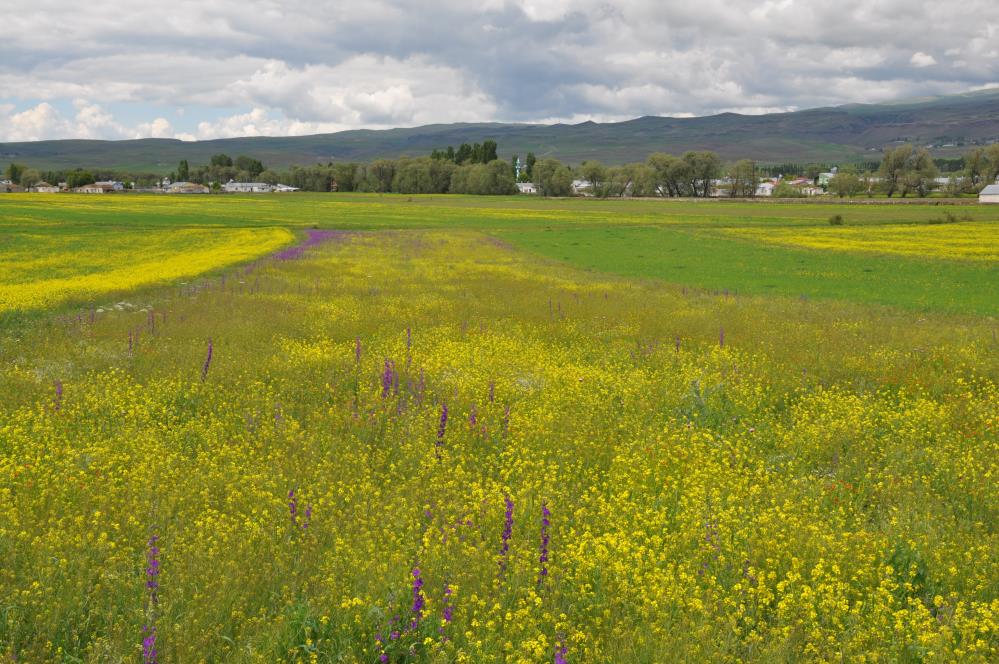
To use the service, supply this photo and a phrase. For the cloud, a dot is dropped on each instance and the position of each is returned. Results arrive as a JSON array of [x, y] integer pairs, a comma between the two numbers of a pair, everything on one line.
[[296, 66]]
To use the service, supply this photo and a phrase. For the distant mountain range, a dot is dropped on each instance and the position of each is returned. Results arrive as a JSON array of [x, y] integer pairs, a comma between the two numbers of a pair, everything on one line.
[[855, 132]]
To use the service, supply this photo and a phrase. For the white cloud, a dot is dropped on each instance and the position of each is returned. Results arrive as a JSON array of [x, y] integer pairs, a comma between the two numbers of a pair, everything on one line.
[[300, 66]]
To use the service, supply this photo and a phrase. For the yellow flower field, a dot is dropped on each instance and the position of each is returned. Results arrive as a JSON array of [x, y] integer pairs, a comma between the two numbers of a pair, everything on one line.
[[965, 240], [425, 446], [94, 264]]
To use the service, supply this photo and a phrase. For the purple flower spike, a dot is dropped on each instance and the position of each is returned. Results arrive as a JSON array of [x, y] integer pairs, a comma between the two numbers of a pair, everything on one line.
[[721, 336], [473, 416], [543, 558], [677, 343], [293, 507], [357, 349], [507, 533], [388, 378], [418, 602], [441, 428], [58, 394], [149, 654], [208, 362], [560, 651]]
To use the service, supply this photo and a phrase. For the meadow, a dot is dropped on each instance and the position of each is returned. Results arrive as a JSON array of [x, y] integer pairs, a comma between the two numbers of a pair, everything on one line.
[[451, 429]]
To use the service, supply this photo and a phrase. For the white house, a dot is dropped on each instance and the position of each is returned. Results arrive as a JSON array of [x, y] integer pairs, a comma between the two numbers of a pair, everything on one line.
[[990, 194], [45, 188], [247, 187], [527, 188], [186, 188], [283, 188], [582, 187], [765, 188]]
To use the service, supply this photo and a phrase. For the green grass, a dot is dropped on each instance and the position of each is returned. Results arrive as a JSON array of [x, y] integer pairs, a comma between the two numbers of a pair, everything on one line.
[[681, 242], [687, 257]]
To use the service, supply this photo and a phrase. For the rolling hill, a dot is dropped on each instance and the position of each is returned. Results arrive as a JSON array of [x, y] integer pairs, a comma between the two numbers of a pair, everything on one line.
[[837, 134]]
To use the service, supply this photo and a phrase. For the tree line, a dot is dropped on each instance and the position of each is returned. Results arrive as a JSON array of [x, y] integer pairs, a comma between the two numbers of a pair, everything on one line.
[[476, 169]]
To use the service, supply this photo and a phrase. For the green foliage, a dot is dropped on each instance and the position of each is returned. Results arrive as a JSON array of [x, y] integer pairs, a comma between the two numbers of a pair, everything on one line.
[[836, 220], [552, 178]]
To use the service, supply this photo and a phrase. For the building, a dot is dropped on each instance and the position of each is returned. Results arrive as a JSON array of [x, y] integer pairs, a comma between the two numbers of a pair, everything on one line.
[[45, 188], [284, 189], [527, 188], [95, 188], [990, 194], [186, 188], [765, 188], [8, 187], [247, 187], [582, 187], [115, 186]]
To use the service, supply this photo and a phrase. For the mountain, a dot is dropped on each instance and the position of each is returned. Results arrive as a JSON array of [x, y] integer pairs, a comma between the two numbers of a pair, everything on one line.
[[949, 124]]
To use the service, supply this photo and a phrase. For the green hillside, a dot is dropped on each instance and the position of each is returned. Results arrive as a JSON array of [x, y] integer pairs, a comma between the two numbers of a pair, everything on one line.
[[843, 133]]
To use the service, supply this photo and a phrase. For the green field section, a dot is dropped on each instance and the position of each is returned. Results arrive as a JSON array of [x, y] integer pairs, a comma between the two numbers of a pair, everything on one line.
[[683, 256]]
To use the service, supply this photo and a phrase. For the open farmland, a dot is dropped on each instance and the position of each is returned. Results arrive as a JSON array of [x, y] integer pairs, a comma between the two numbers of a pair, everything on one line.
[[378, 428]]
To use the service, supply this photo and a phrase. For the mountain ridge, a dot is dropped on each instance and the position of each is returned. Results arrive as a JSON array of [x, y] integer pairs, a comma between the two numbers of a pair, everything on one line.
[[851, 132]]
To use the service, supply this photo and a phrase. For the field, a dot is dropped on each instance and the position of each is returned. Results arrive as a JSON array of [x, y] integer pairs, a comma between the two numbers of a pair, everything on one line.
[[447, 429]]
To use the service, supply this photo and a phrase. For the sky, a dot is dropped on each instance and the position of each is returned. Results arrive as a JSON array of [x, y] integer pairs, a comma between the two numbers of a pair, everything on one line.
[[218, 69]]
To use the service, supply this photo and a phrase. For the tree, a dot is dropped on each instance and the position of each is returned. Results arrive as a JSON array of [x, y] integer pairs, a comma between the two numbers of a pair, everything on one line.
[[345, 176], [701, 168], [494, 178], [665, 173], [553, 178], [221, 160], [784, 189], [250, 165], [594, 172], [743, 179], [183, 171], [992, 159], [13, 172], [268, 176], [529, 165], [78, 178], [919, 173], [29, 178], [893, 166], [845, 183], [463, 154], [489, 148]]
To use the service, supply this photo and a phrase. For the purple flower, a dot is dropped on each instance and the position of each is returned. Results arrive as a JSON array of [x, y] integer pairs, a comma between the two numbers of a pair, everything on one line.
[[58, 394], [447, 613], [418, 602], [152, 568], [492, 391], [721, 336], [441, 428], [560, 651], [149, 654], [473, 416], [677, 343], [293, 507], [507, 533], [388, 375], [543, 558], [208, 362], [357, 349]]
